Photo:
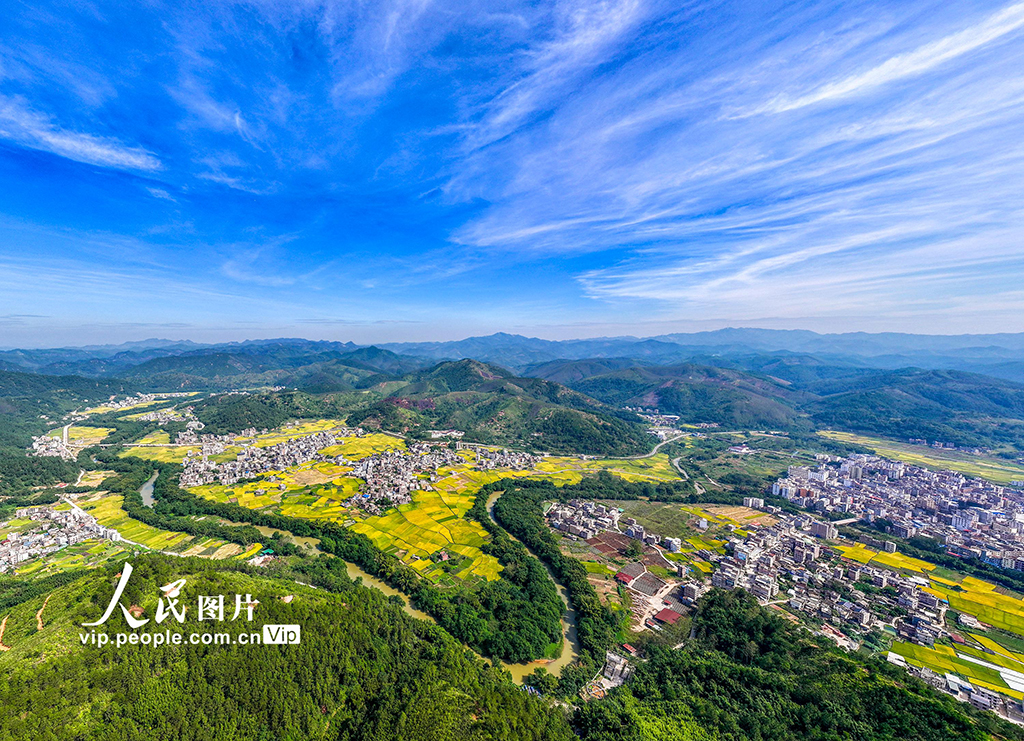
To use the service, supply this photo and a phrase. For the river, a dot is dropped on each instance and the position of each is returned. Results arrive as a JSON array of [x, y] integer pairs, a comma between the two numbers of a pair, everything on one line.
[[307, 542], [147, 491], [570, 642]]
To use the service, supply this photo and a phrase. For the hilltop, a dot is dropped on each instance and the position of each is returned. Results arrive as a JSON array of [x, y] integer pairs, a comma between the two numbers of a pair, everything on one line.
[[491, 404]]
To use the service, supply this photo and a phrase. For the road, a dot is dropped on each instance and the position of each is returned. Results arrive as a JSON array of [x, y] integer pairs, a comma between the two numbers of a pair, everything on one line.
[[654, 451]]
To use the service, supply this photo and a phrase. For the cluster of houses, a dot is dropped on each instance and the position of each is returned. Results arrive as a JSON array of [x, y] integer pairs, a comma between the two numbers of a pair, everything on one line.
[[970, 516], [57, 529], [137, 399], [170, 414], [583, 519], [199, 468], [393, 475], [490, 459], [45, 446]]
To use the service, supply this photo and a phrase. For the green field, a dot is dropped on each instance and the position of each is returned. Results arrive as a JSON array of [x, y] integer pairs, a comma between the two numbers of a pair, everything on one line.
[[944, 659], [87, 554], [997, 470]]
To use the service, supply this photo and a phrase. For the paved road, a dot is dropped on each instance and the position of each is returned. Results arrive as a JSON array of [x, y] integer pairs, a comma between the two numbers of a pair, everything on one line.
[[654, 451]]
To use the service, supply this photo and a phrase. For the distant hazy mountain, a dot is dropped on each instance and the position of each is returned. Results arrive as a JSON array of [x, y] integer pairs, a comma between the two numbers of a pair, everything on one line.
[[792, 352], [1000, 355]]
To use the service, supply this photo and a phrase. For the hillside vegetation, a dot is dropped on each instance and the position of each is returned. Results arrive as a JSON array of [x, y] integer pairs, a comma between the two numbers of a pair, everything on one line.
[[800, 392], [363, 670], [493, 406]]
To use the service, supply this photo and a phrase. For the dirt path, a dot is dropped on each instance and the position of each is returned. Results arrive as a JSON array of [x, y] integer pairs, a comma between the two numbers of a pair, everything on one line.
[[3, 626], [39, 615]]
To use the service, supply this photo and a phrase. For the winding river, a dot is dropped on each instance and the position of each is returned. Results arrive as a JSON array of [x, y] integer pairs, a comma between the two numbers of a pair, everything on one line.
[[147, 491], [570, 644]]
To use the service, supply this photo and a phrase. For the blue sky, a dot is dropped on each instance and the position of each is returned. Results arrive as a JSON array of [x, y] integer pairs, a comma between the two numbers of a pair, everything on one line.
[[418, 170]]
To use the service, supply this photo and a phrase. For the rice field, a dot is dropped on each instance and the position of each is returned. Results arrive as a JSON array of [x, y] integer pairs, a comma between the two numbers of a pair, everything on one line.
[[165, 454], [104, 409], [965, 662], [895, 561], [108, 511], [357, 448], [95, 478], [87, 554], [433, 521], [81, 436], [314, 490], [157, 437]]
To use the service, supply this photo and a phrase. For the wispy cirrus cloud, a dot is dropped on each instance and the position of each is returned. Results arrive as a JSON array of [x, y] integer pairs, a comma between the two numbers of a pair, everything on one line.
[[908, 64], [603, 161], [26, 127]]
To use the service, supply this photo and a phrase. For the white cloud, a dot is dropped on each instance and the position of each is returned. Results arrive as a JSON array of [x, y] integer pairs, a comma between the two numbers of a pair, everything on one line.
[[919, 61], [22, 125]]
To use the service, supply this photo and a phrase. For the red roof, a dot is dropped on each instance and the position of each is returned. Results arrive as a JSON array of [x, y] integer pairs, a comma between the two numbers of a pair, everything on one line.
[[668, 616], [624, 577]]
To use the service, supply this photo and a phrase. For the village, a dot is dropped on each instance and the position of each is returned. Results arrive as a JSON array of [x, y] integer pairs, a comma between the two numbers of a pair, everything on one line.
[[251, 460], [57, 529]]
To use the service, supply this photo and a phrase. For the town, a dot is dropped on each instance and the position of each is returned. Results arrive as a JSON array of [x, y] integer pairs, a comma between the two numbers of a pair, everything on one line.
[[970, 516], [794, 565]]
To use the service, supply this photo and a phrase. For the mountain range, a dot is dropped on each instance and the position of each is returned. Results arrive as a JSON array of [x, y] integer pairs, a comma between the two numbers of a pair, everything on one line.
[[998, 355], [961, 389]]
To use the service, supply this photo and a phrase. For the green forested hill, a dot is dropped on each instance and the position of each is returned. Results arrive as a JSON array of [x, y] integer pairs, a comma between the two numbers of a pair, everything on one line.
[[964, 408], [30, 404], [494, 406], [800, 391], [363, 670]]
